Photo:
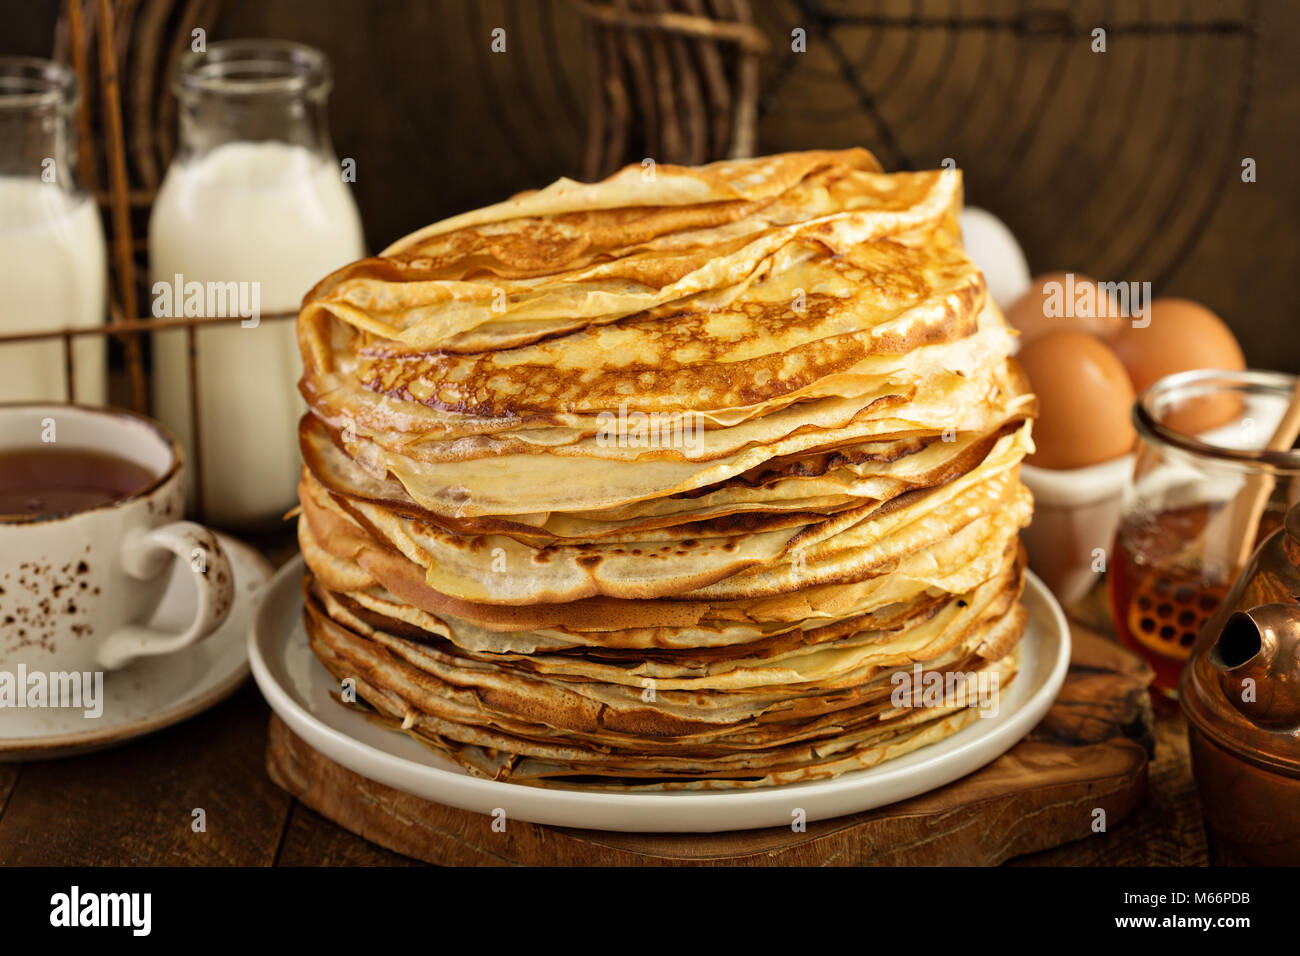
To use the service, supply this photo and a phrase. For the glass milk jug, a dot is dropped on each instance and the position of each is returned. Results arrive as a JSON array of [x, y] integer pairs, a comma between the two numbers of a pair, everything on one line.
[[252, 213], [53, 267]]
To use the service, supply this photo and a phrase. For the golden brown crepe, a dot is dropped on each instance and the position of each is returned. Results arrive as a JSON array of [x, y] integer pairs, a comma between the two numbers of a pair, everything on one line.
[[668, 481]]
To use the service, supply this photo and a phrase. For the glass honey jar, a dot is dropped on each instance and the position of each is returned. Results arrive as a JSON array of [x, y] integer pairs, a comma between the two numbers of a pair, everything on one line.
[[1177, 550]]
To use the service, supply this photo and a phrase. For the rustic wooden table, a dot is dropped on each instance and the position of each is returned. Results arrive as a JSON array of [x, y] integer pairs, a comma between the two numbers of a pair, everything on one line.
[[135, 804]]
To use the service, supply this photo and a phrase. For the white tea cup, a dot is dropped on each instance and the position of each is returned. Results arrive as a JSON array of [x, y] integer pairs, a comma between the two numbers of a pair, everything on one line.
[[77, 588]]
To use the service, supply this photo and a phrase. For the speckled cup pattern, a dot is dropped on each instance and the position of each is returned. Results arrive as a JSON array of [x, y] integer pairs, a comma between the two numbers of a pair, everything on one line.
[[76, 590]]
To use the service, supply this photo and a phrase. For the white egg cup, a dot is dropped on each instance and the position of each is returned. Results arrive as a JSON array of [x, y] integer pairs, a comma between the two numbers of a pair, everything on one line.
[[1076, 514]]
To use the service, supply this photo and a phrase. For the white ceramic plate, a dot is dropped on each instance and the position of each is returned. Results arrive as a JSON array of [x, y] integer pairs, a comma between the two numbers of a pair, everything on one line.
[[153, 692], [299, 689]]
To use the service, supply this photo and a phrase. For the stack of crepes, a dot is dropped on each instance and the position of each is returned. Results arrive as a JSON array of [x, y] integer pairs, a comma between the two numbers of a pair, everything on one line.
[[668, 481]]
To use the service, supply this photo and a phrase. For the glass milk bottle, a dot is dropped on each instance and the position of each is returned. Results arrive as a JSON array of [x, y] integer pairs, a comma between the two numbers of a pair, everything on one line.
[[252, 213], [53, 266]]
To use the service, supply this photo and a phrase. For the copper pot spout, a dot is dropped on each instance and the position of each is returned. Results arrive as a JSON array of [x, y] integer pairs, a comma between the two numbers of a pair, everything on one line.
[[1257, 656]]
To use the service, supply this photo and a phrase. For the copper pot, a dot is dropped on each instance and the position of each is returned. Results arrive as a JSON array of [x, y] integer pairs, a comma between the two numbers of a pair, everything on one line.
[[1241, 694]]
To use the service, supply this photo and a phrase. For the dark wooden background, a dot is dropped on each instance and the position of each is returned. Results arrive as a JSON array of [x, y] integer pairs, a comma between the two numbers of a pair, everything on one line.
[[1125, 165]]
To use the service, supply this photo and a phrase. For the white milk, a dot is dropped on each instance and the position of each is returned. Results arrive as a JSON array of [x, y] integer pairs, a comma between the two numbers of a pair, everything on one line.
[[53, 271], [270, 213]]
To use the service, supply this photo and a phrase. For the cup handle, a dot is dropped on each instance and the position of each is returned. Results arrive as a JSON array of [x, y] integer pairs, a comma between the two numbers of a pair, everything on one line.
[[146, 554]]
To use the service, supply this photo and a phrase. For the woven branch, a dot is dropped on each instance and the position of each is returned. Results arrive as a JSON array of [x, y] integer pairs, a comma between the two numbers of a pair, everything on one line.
[[748, 37], [673, 80]]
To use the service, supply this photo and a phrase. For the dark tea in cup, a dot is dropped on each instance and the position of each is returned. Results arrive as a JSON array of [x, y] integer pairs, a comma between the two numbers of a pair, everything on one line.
[[51, 479]]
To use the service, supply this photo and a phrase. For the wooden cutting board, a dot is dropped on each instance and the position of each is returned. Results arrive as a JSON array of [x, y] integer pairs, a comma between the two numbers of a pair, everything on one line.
[[1089, 753]]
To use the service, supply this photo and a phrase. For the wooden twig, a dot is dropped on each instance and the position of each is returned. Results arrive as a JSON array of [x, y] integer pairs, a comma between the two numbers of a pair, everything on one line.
[[715, 83], [744, 136], [80, 65], [695, 134], [672, 142], [747, 36], [144, 97], [635, 58], [120, 207], [620, 108], [695, 124]]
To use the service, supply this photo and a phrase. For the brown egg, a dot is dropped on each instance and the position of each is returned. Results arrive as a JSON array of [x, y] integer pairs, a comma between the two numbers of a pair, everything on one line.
[[1181, 335], [1084, 400], [1058, 301]]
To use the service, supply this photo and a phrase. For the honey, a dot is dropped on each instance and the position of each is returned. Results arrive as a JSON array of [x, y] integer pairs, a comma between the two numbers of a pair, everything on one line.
[[1164, 587]]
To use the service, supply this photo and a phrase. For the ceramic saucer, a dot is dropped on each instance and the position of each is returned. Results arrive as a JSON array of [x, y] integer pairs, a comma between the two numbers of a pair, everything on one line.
[[153, 692]]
